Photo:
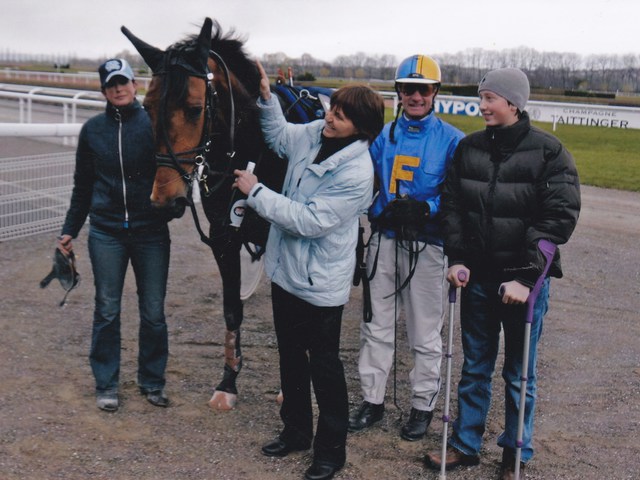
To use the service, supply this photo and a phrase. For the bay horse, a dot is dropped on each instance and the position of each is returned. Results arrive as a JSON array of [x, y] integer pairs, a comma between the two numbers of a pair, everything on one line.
[[202, 103]]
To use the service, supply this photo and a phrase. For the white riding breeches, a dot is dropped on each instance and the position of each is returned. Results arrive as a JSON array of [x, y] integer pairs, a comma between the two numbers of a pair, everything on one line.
[[423, 304]]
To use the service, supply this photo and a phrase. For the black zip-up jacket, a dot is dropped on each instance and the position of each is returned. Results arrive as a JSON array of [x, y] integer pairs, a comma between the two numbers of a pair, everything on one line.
[[507, 188], [114, 173]]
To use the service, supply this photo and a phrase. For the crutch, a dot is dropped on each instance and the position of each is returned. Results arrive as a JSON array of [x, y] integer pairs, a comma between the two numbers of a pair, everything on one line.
[[548, 249], [462, 276]]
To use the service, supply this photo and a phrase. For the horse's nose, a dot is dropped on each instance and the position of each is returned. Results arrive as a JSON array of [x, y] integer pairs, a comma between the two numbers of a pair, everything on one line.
[[176, 208], [173, 209], [177, 212], [179, 206]]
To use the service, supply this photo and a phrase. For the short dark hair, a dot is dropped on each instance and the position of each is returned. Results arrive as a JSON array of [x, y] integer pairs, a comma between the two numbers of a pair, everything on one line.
[[363, 106]]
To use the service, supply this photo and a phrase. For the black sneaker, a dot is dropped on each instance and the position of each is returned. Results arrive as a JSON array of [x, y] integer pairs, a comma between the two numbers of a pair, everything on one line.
[[417, 425], [157, 398], [365, 416], [508, 466]]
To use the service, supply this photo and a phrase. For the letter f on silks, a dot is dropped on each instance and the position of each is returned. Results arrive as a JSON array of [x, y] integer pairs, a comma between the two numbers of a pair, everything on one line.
[[547, 249]]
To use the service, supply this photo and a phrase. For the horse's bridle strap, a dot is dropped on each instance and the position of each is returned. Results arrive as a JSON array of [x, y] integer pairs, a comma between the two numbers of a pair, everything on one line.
[[175, 160]]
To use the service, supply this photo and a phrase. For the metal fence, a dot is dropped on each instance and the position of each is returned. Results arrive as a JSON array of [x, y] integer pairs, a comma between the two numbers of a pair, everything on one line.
[[34, 193]]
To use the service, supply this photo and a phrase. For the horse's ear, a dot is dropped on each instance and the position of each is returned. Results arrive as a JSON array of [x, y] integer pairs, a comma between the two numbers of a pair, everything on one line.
[[151, 55], [204, 41]]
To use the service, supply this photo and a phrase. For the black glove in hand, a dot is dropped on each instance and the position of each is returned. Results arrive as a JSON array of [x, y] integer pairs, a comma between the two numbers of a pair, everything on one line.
[[406, 212]]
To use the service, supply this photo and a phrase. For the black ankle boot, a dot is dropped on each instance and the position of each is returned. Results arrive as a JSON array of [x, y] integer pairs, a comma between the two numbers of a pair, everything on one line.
[[365, 416], [416, 426]]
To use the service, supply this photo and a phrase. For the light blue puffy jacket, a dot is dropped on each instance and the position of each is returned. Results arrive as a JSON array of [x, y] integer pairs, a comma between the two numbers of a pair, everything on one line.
[[312, 241]]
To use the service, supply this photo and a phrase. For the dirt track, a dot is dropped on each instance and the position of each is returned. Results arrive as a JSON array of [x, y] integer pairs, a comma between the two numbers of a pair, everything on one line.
[[588, 410]]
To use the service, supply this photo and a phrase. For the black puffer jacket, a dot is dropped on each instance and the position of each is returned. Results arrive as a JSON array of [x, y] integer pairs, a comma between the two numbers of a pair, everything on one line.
[[114, 174], [506, 189]]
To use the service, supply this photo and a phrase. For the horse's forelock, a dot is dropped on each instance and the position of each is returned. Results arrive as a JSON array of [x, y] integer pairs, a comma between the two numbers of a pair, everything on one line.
[[230, 46], [177, 86]]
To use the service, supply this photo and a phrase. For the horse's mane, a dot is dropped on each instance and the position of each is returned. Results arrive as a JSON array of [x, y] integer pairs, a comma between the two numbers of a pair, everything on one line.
[[231, 48]]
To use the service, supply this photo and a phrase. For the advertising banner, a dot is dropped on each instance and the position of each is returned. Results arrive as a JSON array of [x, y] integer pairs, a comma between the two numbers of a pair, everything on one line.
[[598, 116]]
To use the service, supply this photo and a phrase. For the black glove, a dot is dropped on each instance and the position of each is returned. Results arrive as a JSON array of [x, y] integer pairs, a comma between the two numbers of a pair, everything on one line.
[[64, 269], [405, 212]]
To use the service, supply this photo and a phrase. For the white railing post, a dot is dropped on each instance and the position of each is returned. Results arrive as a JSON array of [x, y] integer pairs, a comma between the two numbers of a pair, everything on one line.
[[65, 119], [29, 103]]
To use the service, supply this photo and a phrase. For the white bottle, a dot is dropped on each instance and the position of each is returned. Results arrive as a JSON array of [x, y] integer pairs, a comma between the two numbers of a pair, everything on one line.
[[236, 215]]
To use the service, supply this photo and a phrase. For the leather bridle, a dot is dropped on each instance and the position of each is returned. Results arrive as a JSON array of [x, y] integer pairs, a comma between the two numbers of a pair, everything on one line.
[[196, 156]]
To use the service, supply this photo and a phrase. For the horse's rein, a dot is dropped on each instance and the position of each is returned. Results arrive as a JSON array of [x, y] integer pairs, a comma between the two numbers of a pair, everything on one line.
[[232, 106]]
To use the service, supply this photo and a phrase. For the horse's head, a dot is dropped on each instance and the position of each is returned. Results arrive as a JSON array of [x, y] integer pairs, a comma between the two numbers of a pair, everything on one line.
[[181, 103]]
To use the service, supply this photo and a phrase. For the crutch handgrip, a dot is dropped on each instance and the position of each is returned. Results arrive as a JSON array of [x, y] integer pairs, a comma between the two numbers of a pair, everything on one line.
[[548, 250], [462, 276]]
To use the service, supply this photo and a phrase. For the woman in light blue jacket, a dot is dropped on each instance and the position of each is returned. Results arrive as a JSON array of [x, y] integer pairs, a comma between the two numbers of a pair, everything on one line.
[[310, 259]]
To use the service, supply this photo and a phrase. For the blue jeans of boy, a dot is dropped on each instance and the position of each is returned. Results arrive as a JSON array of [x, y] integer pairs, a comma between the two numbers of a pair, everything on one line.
[[483, 315], [110, 255]]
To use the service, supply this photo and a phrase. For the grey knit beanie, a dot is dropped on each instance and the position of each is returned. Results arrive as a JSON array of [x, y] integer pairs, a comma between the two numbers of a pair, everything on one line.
[[510, 83]]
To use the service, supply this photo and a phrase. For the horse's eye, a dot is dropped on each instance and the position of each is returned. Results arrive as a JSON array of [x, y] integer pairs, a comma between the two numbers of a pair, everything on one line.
[[193, 113]]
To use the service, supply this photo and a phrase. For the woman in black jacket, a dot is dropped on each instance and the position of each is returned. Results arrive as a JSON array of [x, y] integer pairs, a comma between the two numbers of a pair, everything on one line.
[[508, 187], [114, 175]]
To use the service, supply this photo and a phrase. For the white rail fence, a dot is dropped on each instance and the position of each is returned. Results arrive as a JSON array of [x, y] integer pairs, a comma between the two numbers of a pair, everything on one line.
[[599, 116], [87, 79], [69, 99], [34, 193]]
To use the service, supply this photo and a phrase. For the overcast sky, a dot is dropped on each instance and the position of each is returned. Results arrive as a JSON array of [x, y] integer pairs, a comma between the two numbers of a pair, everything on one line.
[[326, 28]]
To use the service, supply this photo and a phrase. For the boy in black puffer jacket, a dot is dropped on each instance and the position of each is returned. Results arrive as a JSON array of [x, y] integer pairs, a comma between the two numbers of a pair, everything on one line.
[[508, 187]]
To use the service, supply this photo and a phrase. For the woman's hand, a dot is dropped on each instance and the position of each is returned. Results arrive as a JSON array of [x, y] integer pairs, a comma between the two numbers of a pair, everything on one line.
[[265, 89], [64, 244], [245, 181]]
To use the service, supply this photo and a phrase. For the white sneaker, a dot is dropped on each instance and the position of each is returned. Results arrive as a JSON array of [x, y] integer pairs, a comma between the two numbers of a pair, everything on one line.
[[107, 401]]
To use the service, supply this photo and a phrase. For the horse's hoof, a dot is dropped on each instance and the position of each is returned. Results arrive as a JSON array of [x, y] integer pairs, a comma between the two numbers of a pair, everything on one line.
[[223, 400], [280, 398]]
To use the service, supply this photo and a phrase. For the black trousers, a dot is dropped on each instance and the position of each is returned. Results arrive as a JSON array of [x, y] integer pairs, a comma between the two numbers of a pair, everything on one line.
[[309, 344]]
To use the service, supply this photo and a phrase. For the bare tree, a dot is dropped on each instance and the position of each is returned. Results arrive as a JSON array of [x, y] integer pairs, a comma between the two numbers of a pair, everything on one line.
[[630, 73]]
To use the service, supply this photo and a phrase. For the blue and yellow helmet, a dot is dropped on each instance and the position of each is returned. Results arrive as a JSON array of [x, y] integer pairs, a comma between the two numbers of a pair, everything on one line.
[[418, 69]]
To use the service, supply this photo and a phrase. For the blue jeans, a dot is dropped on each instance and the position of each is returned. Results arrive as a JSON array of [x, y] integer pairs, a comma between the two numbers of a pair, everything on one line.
[[482, 316], [110, 255]]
